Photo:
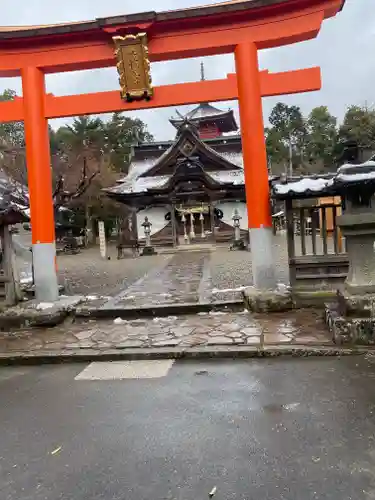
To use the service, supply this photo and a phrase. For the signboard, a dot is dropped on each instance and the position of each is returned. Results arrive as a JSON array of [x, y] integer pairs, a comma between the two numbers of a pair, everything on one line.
[[133, 66], [102, 240]]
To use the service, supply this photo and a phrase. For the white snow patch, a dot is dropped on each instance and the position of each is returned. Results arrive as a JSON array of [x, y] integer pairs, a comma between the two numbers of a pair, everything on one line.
[[303, 185], [26, 280], [119, 321], [365, 176], [217, 313], [282, 287], [214, 291], [45, 305], [291, 406], [92, 297]]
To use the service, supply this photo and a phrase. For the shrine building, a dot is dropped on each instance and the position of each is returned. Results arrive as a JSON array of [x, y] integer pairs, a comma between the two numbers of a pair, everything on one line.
[[189, 188]]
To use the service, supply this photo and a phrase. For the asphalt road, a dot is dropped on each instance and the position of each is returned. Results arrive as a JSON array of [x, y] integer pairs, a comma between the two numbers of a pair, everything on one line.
[[269, 429]]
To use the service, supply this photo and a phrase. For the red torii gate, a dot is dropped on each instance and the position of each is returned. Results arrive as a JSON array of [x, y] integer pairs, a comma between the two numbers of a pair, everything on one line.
[[239, 26]]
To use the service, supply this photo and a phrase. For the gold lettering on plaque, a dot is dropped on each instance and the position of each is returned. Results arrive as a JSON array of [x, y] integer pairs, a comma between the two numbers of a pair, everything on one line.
[[133, 66]]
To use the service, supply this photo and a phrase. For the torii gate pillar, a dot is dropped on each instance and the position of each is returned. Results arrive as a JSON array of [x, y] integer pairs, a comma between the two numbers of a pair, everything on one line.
[[40, 185], [255, 165]]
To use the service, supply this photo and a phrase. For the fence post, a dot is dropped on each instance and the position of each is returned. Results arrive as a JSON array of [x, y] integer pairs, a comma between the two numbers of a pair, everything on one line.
[[290, 240]]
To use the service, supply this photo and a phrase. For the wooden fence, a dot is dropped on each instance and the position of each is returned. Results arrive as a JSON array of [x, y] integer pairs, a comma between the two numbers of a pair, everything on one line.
[[316, 249]]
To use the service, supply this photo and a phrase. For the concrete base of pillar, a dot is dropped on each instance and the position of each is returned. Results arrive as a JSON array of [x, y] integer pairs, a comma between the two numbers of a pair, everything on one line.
[[266, 301], [263, 265], [45, 277]]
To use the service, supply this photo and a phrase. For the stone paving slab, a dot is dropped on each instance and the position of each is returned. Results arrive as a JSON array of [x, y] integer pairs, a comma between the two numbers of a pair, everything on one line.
[[202, 331]]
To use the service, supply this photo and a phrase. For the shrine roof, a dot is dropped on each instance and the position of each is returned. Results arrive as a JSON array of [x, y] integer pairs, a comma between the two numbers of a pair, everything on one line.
[[204, 113], [144, 184], [155, 172], [303, 187], [17, 32], [137, 168], [333, 184]]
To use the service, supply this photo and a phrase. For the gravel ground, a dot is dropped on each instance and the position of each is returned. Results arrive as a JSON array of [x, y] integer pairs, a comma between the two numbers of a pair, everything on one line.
[[88, 274], [233, 269]]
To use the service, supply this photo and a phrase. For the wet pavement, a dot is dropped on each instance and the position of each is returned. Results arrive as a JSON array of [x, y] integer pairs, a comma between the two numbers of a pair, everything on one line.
[[267, 430], [176, 281], [218, 328]]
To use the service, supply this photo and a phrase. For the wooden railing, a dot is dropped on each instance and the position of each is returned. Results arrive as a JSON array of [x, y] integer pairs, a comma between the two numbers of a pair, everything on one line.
[[316, 249]]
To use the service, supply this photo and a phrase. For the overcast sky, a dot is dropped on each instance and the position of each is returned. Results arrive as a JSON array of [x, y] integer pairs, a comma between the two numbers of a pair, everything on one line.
[[344, 49]]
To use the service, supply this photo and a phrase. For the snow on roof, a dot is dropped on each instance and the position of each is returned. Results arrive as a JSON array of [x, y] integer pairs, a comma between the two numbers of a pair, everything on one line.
[[301, 186], [233, 157], [140, 184], [327, 184], [135, 183], [354, 173], [137, 168], [229, 176]]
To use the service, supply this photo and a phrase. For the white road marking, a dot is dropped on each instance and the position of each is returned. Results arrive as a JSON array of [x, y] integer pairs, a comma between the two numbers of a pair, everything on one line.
[[122, 370]]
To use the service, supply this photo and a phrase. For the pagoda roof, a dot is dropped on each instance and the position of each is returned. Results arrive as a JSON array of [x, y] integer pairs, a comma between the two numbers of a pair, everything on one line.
[[206, 113]]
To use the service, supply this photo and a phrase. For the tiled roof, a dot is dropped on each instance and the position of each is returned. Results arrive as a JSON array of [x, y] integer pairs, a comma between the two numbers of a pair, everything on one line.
[[139, 185], [235, 177], [303, 186], [151, 16], [326, 185], [205, 110]]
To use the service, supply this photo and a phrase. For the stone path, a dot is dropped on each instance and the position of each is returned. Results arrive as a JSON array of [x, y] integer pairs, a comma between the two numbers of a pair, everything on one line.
[[180, 280], [303, 327]]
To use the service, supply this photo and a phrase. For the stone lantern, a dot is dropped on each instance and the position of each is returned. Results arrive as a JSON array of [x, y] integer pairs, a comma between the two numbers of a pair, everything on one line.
[[356, 184], [148, 249], [352, 318], [237, 244]]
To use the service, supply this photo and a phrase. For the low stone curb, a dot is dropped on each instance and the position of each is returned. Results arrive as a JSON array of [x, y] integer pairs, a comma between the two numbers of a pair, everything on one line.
[[208, 352], [16, 318], [153, 311]]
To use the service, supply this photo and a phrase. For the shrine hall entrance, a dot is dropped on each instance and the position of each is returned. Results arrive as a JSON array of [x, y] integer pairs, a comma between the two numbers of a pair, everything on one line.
[[194, 224], [201, 224]]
